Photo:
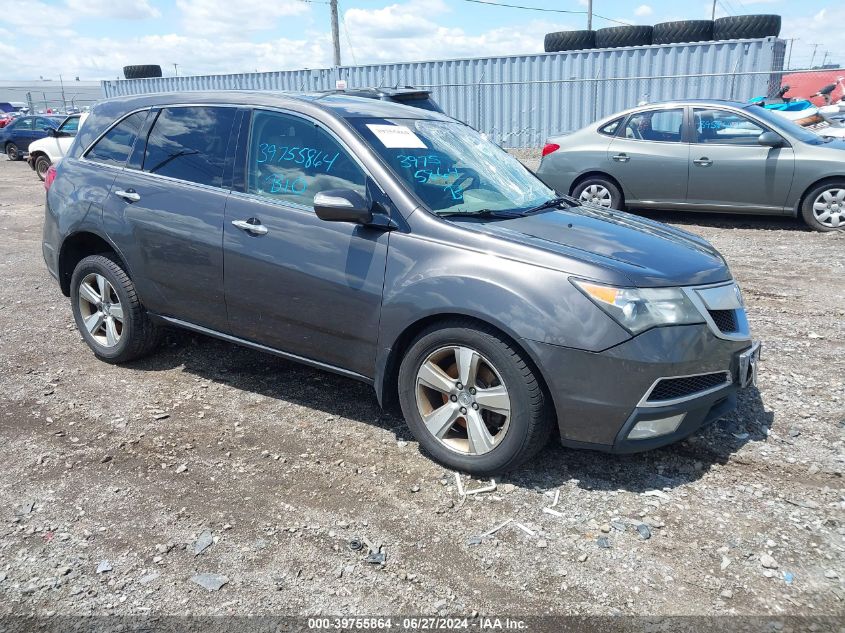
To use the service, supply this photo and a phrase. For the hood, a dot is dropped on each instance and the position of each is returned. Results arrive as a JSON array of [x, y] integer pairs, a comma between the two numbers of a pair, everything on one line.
[[646, 252]]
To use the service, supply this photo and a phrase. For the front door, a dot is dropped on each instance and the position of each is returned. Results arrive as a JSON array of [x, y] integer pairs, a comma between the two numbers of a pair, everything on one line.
[[730, 170], [300, 284], [649, 157]]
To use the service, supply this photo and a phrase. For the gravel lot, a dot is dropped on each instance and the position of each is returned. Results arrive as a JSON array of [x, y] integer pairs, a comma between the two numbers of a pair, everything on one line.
[[120, 484]]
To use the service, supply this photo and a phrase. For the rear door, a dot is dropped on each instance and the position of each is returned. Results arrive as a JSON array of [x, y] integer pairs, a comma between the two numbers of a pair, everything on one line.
[[649, 157], [23, 133], [165, 212], [730, 170]]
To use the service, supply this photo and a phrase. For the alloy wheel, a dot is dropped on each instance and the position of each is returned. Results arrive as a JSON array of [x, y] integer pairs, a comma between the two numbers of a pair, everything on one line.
[[829, 208], [101, 311], [462, 400], [598, 195]]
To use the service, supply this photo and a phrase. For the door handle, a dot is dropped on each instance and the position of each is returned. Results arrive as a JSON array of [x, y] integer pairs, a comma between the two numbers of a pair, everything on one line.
[[128, 195], [621, 158], [703, 161], [253, 225]]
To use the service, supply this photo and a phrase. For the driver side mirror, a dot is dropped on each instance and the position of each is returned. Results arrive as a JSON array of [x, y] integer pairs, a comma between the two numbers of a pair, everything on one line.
[[770, 139], [52, 131], [343, 205]]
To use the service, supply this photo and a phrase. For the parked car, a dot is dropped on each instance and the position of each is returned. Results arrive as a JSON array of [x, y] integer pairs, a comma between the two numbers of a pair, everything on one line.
[[5, 119], [702, 156], [46, 151], [407, 95], [400, 248], [16, 137]]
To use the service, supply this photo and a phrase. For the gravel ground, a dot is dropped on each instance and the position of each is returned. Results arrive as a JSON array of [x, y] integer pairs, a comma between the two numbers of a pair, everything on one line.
[[120, 485]]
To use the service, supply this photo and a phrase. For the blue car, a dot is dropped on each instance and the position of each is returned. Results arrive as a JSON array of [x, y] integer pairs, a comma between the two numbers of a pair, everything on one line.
[[16, 137]]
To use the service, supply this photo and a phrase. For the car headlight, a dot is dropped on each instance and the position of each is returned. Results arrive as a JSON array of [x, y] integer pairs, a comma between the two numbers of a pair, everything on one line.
[[638, 309]]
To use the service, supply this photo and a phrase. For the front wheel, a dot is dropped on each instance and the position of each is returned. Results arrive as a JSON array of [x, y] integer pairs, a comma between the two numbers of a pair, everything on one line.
[[108, 312], [472, 400], [599, 191], [42, 164], [824, 206]]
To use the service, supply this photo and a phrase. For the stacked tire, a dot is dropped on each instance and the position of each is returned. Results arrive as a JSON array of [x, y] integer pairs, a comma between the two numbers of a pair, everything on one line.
[[735, 27], [142, 72]]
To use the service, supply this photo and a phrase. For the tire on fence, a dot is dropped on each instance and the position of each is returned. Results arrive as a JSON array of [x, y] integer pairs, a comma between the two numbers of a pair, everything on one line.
[[569, 41], [746, 27], [618, 36], [142, 72], [682, 31]]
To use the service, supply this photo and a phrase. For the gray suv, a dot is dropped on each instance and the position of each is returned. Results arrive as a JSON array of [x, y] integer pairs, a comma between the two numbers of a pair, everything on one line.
[[398, 247]]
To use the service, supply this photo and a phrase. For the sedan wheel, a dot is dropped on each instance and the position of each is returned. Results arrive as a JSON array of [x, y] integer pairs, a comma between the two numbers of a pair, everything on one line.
[[13, 152], [829, 208], [101, 310], [462, 400], [598, 195]]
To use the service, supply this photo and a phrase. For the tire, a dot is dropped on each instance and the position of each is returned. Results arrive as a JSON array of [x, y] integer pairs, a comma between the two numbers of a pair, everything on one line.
[[746, 27], [569, 41], [682, 31], [142, 72], [596, 186], [137, 335], [12, 151], [528, 424], [42, 164], [618, 36], [816, 205]]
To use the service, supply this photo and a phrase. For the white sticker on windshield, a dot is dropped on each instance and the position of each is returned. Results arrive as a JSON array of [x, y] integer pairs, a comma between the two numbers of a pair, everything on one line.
[[396, 136]]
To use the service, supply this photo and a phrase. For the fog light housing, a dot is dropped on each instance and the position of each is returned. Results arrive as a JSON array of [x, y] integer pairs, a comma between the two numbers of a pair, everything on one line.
[[653, 428]]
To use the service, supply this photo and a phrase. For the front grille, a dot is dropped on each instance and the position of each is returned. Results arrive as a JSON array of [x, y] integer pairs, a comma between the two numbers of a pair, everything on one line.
[[671, 388], [725, 320]]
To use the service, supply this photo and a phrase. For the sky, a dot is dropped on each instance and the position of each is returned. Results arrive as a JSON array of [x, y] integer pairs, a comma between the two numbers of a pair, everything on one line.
[[94, 39]]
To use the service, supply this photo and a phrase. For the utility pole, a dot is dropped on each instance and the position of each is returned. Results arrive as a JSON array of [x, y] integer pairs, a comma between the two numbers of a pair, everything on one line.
[[789, 55], [64, 102], [713, 11], [335, 32], [589, 15], [824, 61], [176, 68], [813, 58]]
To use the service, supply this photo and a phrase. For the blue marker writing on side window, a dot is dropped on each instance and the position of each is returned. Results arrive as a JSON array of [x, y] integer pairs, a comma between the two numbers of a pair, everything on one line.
[[279, 184], [308, 157]]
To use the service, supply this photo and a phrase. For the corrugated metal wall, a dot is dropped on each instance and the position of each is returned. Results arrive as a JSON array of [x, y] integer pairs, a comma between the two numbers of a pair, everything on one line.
[[520, 100]]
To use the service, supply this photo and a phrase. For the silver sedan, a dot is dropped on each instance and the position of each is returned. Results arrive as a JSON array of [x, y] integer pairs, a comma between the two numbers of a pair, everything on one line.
[[702, 156]]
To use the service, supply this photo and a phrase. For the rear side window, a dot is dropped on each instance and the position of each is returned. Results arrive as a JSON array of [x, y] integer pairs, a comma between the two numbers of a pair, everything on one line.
[[45, 124], [190, 144], [611, 128], [114, 147], [291, 159], [23, 124]]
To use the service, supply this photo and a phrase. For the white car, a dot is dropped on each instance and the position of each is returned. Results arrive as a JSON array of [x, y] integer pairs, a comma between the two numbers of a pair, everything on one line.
[[48, 150]]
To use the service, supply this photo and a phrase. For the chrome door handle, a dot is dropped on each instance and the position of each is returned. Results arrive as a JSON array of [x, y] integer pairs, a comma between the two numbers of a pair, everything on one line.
[[621, 158], [252, 225], [703, 161], [129, 195]]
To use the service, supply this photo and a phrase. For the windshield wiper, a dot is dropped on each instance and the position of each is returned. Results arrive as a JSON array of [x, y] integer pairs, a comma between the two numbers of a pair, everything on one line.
[[550, 204], [481, 213]]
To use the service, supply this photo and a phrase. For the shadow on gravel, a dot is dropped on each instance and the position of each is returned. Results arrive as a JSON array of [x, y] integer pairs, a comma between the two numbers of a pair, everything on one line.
[[334, 395], [727, 220]]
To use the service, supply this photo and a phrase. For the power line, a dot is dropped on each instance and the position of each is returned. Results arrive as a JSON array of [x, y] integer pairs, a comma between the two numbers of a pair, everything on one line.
[[516, 6], [348, 39]]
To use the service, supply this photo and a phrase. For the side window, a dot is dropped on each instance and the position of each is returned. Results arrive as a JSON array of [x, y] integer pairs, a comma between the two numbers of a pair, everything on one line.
[[44, 124], [190, 144], [23, 124], [724, 127], [291, 159], [115, 145], [656, 125], [611, 128]]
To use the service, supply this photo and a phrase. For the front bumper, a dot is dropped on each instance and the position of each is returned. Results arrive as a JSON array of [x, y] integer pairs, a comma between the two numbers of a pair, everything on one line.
[[600, 397]]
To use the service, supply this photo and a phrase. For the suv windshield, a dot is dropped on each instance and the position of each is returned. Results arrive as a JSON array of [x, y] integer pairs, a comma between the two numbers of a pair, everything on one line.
[[452, 168]]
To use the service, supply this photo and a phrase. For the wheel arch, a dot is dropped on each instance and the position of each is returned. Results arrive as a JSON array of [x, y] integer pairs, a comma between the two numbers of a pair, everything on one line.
[[78, 246], [386, 383], [798, 205]]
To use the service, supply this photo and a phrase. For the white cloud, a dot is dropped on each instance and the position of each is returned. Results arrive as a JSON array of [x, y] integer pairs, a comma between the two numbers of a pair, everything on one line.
[[36, 19], [643, 10], [235, 19], [120, 9], [815, 29]]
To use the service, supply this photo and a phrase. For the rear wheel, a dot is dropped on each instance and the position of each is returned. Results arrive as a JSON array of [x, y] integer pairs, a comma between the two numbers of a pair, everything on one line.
[[108, 312], [599, 191], [12, 151], [42, 164], [824, 206], [472, 400]]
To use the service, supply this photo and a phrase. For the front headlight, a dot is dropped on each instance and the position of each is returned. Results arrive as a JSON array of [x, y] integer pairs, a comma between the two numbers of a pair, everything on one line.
[[638, 309]]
